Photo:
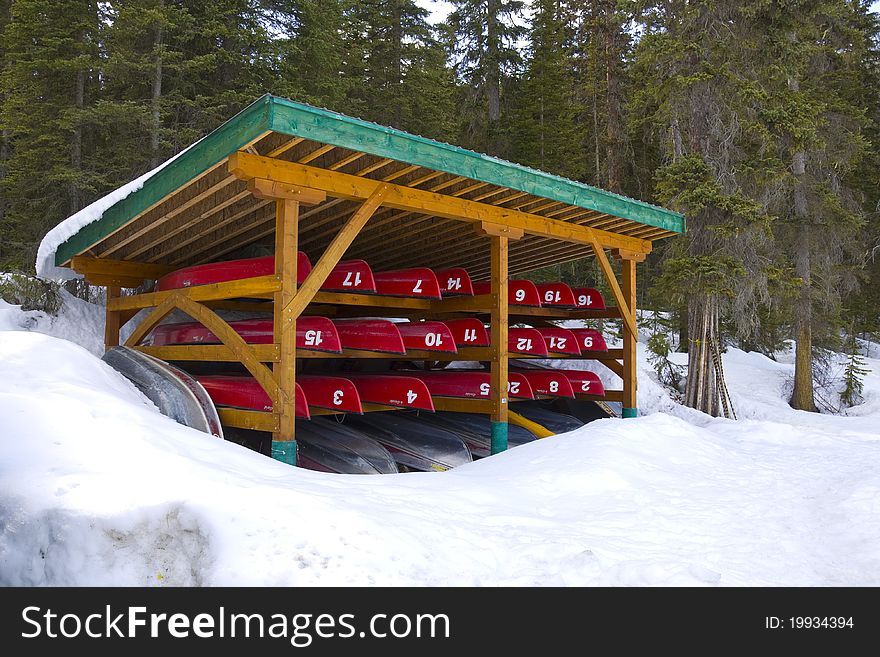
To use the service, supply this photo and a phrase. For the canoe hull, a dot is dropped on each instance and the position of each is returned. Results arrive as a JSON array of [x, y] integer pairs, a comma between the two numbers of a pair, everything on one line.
[[418, 283], [229, 270]]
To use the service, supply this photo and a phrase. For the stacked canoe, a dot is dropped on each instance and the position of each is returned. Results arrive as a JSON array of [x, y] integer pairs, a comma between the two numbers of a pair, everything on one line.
[[344, 387]]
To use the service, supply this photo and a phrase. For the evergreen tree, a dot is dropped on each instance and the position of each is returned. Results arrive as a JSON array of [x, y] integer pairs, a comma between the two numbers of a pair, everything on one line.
[[546, 131], [396, 68], [485, 33], [48, 80], [817, 47]]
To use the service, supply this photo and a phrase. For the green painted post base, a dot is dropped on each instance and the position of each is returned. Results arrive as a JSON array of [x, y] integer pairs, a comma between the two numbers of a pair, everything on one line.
[[630, 412], [499, 437], [284, 451]]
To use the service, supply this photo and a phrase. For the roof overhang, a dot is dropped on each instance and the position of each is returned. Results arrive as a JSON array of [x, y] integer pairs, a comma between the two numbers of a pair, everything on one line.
[[198, 208]]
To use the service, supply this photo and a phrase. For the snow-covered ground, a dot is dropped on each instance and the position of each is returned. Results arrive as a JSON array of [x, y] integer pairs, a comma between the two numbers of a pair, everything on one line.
[[97, 488]]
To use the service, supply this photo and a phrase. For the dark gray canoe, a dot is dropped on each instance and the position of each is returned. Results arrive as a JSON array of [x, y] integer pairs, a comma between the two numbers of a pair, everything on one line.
[[476, 429], [325, 445], [413, 442], [174, 392]]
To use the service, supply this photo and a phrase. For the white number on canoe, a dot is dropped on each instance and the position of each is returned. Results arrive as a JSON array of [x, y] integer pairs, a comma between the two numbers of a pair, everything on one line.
[[554, 386], [453, 284], [470, 335], [418, 286], [313, 338], [585, 386], [433, 339], [513, 387], [484, 389], [557, 343], [588, 342], [520, 295], [523, 344], [411, 396], [337, 397], [584, 300], [553, 297], [352, 279]]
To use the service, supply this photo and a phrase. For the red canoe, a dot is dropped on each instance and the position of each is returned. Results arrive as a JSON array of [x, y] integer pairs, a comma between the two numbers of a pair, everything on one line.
[[392, 390], [370, 335], [588, 298], [230, 270], [585, 382], [556, 294], [334, 393], [455, 282], [315, 333], [519, 292], [427, 336], [470, 384], [552, 383], [526, 341], [245, 392], [353, 276], [468, 332], [420, 282], [589, 339], [560, 340]]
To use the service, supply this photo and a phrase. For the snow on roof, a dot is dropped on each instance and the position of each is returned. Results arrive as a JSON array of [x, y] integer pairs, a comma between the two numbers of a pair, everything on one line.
[[45, 264]]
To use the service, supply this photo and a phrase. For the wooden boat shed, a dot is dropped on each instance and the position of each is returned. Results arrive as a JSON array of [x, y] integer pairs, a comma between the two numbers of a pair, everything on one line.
[[332, 185]]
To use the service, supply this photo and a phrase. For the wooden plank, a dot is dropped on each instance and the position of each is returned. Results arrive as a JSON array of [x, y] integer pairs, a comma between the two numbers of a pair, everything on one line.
[[499, 366], [458, 405], [155, 316], [244, 419], [331, 256], [522, 313], [112, 321], [265, 353], [286, 232], [88, 265], [372, 301], [268, 189], [630, 336], [487, 228], [246, 166], [465, 353], [259, 286]]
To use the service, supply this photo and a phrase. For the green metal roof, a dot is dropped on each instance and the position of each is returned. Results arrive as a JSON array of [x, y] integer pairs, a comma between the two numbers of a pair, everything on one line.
[[273, 114]]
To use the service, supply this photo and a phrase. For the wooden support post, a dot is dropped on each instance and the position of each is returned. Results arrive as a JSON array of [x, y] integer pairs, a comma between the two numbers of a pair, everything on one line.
[[286, 219], [112, 320], [630, 338], [498, 380]]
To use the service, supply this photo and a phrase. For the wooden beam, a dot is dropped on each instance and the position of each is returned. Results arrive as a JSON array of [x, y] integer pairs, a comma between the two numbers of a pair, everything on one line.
[[612, 365], [243, 419], [155, 316], [488, 228], [499, 366], [112, 320], [141, 271], [265, 353], [331, 256], [630, 340], [269, 189], [247, 166], [286, 232], [259, 286], [458, 405]]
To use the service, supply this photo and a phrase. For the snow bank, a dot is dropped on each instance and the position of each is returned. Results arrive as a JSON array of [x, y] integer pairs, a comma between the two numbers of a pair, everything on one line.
[[45, 264], [97, 488]]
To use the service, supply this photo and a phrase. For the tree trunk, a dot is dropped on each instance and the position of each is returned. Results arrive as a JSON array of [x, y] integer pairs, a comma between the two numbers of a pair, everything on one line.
[[802, 395], [493, 78], [76, 139], [613, 120], [397, 63], [156, 102], [702, 391]]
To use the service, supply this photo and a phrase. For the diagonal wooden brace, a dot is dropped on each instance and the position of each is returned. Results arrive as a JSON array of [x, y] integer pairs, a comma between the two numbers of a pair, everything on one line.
[[332, 255], [625, 311]]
